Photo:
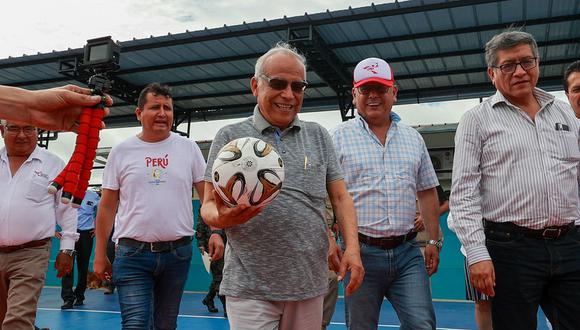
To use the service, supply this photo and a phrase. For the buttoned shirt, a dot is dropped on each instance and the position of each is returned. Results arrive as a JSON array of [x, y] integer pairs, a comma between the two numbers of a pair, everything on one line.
[[27, 211], [281, 253], [509, 168], [88, 211], [383, 179]]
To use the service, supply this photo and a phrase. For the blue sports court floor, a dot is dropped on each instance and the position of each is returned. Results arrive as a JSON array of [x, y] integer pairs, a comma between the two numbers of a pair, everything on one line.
[[102, 312]]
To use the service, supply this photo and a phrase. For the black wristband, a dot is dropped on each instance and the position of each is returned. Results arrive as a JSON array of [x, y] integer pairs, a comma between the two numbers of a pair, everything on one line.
[[218, 231]]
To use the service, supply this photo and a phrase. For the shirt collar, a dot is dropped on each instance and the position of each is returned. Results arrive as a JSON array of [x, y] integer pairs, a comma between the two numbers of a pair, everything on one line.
[[36, 154], [395, 119], [261, 124], [544, 98]]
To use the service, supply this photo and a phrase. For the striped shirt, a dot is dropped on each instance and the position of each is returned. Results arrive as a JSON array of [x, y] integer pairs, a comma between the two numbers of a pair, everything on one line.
[[383, 179], [508, 168]]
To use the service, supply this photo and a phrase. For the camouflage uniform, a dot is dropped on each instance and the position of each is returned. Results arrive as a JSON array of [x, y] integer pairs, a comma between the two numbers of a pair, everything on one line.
[[202, 234]]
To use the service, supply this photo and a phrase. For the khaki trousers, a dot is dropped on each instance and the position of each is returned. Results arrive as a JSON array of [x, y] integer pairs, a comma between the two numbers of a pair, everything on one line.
[[22, 276], [248, 314], [330, 299]]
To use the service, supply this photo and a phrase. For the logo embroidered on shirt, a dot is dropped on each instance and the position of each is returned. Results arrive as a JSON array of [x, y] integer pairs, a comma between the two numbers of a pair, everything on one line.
[[40, 174]]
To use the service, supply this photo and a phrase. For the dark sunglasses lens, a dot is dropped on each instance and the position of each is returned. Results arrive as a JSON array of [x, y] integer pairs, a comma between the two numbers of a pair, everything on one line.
[[278, 84], [298, 86]]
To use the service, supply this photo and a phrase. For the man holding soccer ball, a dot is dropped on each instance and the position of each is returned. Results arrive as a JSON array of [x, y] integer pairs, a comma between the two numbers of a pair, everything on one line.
[[276, 262]]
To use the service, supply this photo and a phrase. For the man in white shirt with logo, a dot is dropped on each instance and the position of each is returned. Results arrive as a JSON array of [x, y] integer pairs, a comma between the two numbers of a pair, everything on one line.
[[150, 177], [28, 216]]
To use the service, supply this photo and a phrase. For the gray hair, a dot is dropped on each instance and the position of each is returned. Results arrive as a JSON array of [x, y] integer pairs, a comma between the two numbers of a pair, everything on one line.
[[507, 40], [281, 47]]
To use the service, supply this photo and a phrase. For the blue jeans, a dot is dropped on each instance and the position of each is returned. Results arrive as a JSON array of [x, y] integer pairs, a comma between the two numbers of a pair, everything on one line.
[[533, 272], [399, 275], [148, 280]]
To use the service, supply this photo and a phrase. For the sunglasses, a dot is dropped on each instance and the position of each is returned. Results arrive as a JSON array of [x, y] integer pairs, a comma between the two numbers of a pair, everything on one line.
[[281, 84], [379, 89]]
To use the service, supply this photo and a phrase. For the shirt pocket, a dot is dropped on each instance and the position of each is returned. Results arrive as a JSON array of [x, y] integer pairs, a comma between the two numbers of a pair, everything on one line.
[[38, 190], [314, 182], [564, 145]]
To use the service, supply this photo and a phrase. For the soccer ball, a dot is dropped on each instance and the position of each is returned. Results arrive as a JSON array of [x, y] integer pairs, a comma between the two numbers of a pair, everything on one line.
[[248, 171]]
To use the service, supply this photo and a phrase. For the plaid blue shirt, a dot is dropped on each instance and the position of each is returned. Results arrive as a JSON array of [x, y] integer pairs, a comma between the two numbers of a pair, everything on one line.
[[383, 180]]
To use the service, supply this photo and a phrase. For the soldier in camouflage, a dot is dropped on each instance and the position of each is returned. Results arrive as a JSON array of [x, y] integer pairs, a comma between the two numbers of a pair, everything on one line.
[[202, 233]]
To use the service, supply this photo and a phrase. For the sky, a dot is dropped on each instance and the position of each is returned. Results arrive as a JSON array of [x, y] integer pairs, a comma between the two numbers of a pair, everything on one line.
[[32, 26]]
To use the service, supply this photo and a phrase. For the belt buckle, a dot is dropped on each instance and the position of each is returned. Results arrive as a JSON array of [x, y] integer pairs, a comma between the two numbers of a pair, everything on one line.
[[157, 247], [551, 233]]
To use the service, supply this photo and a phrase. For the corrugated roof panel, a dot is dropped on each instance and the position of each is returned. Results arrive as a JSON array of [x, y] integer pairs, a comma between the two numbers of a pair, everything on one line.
[[565, 7], [462, 17], [536, 8], [443, 43], [487, 13], [470, 41], [396, 25], [425, 45], [511, 11], [454, 63]]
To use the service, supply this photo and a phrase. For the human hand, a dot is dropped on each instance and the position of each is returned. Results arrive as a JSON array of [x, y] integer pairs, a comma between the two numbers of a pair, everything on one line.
[[216, 247], [58, 234], [431, 259], [58, 109], [418, 224], [334, 254], [351, 262], [102, 267], [63, 264], [233, 216], [482, 276]]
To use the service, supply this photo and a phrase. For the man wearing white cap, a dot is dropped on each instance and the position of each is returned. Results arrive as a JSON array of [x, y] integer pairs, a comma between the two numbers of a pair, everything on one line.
[[386, 167]]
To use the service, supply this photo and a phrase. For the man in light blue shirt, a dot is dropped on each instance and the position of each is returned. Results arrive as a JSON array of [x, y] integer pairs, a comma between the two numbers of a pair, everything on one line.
[[83, 247], [387, 167]]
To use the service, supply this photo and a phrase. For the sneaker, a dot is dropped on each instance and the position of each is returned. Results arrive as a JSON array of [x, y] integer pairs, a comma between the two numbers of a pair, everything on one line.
[[68, 304], [79, 302]]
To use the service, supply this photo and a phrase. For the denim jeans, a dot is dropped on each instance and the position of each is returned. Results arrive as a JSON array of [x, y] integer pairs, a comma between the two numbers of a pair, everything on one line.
[[148, 280], [399, 275], [533, 272]]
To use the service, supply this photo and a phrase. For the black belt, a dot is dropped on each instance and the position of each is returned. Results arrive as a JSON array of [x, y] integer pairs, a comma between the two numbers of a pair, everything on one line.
[[552, 232], [386, 243], [31, 244], [156, 246]]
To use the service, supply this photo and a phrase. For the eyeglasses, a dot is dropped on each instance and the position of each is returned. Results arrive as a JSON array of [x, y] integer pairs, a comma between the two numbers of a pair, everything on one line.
[[379, 89], [526, 64], [297, 86], [27, 130]]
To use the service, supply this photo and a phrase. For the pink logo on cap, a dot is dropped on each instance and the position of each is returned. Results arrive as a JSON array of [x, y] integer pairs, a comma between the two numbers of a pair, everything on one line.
[[372, 68]]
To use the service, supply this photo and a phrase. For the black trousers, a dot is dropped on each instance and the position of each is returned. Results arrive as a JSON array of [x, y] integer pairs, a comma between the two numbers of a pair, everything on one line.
[[84, 247], [532, 273]]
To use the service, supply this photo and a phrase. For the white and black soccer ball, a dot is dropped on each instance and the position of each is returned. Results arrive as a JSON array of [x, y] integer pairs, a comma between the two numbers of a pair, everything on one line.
[[248, 171]]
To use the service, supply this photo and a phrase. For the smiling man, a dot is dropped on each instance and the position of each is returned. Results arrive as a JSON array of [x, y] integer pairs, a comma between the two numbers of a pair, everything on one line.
[[28, 216], [514, 197], [387, 168], [275, 273]]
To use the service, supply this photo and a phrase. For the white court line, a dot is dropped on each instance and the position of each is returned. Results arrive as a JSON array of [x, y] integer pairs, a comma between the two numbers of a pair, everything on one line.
[[205, 317]]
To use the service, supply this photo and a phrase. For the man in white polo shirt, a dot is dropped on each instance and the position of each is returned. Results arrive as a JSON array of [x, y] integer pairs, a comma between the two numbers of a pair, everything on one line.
[[28, 216], [150, 177]]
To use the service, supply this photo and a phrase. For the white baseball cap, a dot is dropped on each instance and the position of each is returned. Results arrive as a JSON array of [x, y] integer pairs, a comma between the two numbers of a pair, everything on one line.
[[374, 70]]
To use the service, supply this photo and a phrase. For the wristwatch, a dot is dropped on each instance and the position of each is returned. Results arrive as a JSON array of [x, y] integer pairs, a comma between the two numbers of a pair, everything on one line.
[[437, 243], [68, 252]]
